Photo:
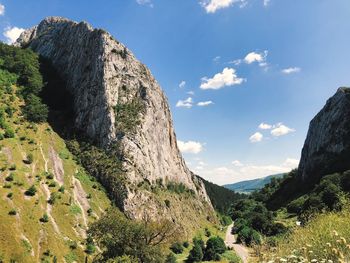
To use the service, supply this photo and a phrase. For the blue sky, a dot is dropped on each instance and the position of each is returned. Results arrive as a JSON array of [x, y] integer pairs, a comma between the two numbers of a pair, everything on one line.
[[246, 62]]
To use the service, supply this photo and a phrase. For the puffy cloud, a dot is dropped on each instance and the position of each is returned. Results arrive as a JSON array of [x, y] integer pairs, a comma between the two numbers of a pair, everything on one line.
[[228, 77], [182, 84], [265, 126], [12, 33], [190, 147], [2, 9], [187, 103], [256, 137], [205, 103], [256, 57], [237, 163], [291, 70], [211, 6], [145, 2], [281, 129]]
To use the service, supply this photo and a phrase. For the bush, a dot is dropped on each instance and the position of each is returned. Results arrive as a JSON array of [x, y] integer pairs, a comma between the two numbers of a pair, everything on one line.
[[186, 244], [31, 191], [44, 218], [177, 248], [34, 110], [13, 212], [52, 199], [214, 248], [12, 167], [196, 254], [29, 159], [9, 133], [61, 189], [296, 205], [9, 195], [90, 248], [170, 258], [10, 178]]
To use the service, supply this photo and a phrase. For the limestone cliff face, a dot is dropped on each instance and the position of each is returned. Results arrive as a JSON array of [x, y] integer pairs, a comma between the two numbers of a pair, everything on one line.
[[116, 99], [327, 146]]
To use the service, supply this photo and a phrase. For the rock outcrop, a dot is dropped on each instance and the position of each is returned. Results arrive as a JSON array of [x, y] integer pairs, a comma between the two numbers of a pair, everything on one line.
[[116, 100], [327, 146]]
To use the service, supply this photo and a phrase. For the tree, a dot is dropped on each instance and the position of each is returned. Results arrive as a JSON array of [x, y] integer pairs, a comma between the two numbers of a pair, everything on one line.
[[145, 240], [214, 248], [196, 254], [34, 110]]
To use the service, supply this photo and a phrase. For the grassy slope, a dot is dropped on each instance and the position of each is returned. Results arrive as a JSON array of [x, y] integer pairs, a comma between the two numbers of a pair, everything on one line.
[[23, 237], [326, 237]]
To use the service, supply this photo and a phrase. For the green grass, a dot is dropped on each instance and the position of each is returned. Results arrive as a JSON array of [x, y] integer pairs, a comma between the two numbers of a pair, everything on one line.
[[31, 138], [326, 237]]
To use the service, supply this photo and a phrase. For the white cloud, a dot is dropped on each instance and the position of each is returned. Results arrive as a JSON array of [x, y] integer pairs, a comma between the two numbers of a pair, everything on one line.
[[205, 103], [240, 172], [2, 9], [216, 59], [291, 70], [228, 77], [182, 84], [265, 126], [266, 2], [237, 163], [190, 147], [280, 129], [190, 92], [256, 57], [187, 103], [256, 137], [291, 163], [211, 6], [145, 2], [12, 33]]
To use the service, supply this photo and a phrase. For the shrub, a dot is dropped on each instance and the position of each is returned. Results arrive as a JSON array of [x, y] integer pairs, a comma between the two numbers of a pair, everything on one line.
[[52, 199], [207, 232], [13, 212], [90, 248], [177, 248], [61, 189], [9, 195], [49, 176], [186, 244], [52, 184], [44, 218], [29, 159], [196, 254], [12, 167], [167, 203], [214, 248], [170, 258], [9, 133], [31, 191], [34, 110], [10, 178], [296, 205]]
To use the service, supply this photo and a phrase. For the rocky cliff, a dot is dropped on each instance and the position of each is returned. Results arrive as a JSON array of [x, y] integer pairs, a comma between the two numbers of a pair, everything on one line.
[[116, 101], [327, 146]]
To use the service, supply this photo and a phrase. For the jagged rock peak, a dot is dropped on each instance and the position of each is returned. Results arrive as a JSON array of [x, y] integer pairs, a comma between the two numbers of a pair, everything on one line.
[[327, 145], [116, 99]]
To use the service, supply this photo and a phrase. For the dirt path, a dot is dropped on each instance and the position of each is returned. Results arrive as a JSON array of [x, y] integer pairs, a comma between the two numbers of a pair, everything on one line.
[[80, 199], [57, 165], [230, 241]]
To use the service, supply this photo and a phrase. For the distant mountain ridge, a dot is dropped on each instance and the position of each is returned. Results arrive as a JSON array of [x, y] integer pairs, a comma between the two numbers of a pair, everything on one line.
[[250, 186]]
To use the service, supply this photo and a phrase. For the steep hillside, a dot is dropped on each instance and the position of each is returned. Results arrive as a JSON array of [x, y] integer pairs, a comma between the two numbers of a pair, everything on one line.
[[327, 145], [250, 186], [221, 197], [46, 199], [118, 106]]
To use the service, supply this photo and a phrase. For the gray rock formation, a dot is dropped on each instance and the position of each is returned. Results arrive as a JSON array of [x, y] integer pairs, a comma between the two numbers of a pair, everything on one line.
[[116, 99], [327, 146]]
